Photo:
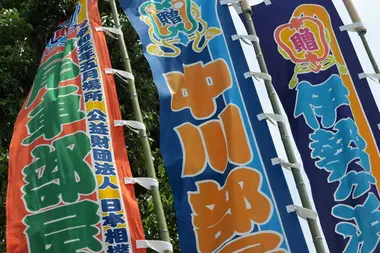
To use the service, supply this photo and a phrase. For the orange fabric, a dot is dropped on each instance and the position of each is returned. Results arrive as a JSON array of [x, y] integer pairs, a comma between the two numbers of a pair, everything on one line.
[[215, 144], [221, 212], [238, 146], [223, 141], [20, 155], [198, 86], [194, 153], [256, 243], [119, 147]]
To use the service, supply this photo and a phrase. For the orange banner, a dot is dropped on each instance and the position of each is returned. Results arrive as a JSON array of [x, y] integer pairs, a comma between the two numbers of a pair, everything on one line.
[[68, 161]]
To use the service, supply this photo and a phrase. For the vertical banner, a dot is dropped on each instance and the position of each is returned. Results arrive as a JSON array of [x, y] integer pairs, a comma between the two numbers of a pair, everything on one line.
[[227, 194], [67, 160], [332, 113]]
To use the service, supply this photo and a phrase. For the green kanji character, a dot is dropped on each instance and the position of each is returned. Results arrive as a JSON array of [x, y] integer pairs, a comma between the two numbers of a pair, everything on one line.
[[59, 107], [55, 70], [68, 228], [58, 173]]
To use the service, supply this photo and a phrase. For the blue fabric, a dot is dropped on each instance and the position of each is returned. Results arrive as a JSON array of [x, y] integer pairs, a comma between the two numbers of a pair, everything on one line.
[[320, 112], [241, 94]]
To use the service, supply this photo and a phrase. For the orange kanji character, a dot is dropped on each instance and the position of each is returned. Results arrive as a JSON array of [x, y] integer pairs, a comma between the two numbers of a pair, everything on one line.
[[198, 87], [216, 141], [221, 212]]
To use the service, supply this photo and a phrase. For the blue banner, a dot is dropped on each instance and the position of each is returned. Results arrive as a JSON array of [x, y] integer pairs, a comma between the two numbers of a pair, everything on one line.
[[227, 194], [332, 113]]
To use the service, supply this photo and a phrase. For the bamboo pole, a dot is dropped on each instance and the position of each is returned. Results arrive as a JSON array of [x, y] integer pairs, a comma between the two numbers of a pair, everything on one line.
[[162, 225], [361, 32], [317, 239]]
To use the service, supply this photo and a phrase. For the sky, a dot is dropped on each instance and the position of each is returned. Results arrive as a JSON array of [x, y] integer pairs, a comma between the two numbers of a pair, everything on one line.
[[367, 10]]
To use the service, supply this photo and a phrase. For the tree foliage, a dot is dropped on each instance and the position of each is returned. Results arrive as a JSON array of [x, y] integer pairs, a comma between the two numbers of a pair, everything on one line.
[[25, 27]]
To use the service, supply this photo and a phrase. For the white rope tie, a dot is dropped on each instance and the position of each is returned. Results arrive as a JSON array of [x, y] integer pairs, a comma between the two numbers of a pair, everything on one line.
[[135, 126], [256, 75], [121, 73], [145, 182], [352, 27], [304, 213], [158, 246], [372, 76], [285, 164], [245, 38], [271, 117], [109, 31]]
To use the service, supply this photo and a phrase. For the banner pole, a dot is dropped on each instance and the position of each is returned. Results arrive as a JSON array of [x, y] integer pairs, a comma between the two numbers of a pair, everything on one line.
[[361, 32], [162, 225], [317, 239]]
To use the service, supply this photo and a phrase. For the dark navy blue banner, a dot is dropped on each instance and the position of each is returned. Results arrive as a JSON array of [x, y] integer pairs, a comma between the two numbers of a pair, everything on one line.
[[332, 113], [227, 194]]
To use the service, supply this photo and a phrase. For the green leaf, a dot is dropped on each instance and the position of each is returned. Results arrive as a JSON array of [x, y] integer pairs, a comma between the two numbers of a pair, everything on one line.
[[293, 83], [343, 70]]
